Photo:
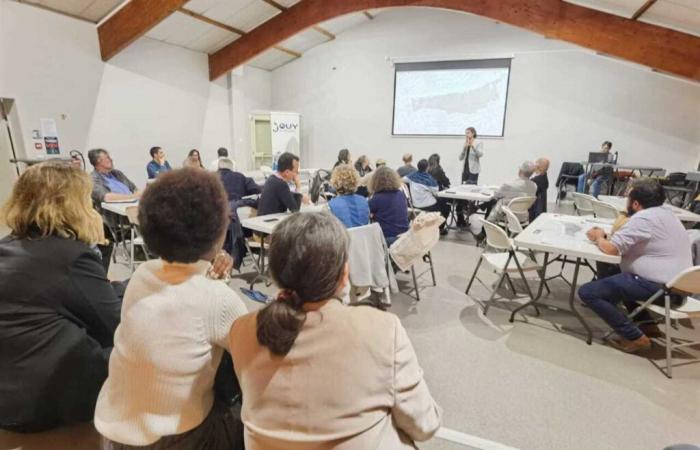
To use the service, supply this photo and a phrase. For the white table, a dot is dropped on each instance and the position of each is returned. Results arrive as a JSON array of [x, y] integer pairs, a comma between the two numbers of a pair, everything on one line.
[[620, 203], [265, 225], [564, 235], [119, 207], [468, 193]]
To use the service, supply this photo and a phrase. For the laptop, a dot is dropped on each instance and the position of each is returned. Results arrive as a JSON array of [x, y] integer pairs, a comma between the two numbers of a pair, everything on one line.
[[597, 157]]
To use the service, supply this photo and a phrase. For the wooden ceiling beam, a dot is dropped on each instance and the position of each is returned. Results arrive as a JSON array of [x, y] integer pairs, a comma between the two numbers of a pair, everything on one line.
[[131, 22], [649, 45], [283, 8], [642, 9]]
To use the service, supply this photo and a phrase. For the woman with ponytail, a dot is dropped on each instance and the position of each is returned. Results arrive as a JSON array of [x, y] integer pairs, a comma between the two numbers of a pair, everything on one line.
[[316, 374]]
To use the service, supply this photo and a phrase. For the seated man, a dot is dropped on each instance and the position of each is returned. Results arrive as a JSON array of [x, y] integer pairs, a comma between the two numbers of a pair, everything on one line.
[[235, 183], [407, 167], [520, 187], [424, 191], [108, 185], [158, 163], [542, 181], [599, 176], [276, 196], [654, 248]]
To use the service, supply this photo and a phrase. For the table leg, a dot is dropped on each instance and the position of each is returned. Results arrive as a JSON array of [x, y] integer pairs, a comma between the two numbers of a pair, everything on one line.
[[572, 296], [536, 298]]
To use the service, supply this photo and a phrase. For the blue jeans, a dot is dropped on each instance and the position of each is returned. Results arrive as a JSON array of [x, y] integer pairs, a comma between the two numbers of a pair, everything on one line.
[[603, 295], [581, 184], [596, 185]]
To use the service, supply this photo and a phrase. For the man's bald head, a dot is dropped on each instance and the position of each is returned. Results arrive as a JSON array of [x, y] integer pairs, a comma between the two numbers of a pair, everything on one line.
[[542, 165]]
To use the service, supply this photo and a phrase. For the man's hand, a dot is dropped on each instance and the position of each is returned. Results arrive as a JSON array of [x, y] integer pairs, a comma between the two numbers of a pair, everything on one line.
[[595, 233], [305, 199], [221, 266], [297, 182]]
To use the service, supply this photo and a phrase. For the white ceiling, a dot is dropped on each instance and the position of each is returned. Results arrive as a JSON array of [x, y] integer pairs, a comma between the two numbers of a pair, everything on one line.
[[679, 15], [245, 15], [90, 10]]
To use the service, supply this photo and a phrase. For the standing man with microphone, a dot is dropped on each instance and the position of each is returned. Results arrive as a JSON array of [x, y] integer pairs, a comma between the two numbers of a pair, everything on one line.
[[472, 152]]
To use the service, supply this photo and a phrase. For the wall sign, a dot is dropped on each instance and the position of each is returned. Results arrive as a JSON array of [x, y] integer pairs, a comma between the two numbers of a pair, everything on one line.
[[50, 132], [286, 131]]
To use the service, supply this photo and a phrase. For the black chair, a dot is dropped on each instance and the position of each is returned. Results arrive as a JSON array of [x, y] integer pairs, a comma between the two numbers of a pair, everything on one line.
[[568, 176]]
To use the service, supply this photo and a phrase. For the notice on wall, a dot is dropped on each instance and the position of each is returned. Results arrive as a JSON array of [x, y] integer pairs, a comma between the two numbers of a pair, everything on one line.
[[50, 133], [286, 132]]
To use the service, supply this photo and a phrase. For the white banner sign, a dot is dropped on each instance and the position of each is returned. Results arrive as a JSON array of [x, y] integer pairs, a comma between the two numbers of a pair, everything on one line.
[[286, 132]]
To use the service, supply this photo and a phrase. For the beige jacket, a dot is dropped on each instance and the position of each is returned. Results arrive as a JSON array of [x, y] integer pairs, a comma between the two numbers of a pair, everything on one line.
[[351, 381]]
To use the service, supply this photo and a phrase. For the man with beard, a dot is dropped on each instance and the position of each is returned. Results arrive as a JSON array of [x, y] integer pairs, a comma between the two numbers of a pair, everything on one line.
[[654, 248]]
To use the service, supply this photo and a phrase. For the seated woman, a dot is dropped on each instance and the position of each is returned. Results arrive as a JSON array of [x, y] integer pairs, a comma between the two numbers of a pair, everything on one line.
[[175, 322], [388, 205], [424, 189], [350, 208], [363, 170], [193, 160], [58, 311], [284, 354]]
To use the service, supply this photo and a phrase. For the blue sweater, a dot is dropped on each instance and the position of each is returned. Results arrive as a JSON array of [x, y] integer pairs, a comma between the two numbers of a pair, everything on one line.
[[153, 168], [390, 210], [352, 210]]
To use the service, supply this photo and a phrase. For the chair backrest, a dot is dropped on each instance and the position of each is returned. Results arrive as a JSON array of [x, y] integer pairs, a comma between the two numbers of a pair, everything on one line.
[[583, 203], [132, 213], [687, 281], [604, 210], [512, 221], [521, 204], [495, 236]]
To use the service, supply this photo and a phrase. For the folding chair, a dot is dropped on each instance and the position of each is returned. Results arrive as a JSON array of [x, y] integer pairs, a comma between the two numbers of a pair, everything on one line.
[[412, 210], [132, 213], [583, 204], [514, 228], [506, 261], [687, 282], [604, 210], [427, 258], [520, 206]]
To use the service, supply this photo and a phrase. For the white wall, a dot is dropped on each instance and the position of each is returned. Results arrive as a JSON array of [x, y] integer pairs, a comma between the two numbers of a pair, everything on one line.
[[149, 94], [563, 101], [250, 91]]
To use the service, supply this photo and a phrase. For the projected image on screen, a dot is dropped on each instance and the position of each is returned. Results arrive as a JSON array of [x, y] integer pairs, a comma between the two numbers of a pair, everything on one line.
[[444, 98]]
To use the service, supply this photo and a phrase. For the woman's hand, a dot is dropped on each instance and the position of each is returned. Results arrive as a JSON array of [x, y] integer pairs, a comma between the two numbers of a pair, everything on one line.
[[221, 266]]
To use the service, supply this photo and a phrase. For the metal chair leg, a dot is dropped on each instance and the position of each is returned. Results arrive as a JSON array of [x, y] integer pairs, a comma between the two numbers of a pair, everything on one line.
[[131, 252], [432, 268], [669, 341], [415, 282], [511, 285], [493, 293], [473, 276]]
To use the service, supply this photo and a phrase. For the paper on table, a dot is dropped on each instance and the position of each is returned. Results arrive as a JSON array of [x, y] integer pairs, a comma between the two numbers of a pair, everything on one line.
[[121, 201]]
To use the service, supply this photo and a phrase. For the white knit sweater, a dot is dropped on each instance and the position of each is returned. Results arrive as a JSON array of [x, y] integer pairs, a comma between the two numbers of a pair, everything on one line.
[[167, 348]]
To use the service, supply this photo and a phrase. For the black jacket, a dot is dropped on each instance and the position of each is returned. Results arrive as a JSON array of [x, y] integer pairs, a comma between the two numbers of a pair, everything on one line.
[[58, 314], [540, 205], [277, 198], [237, 185], [439, 174]]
